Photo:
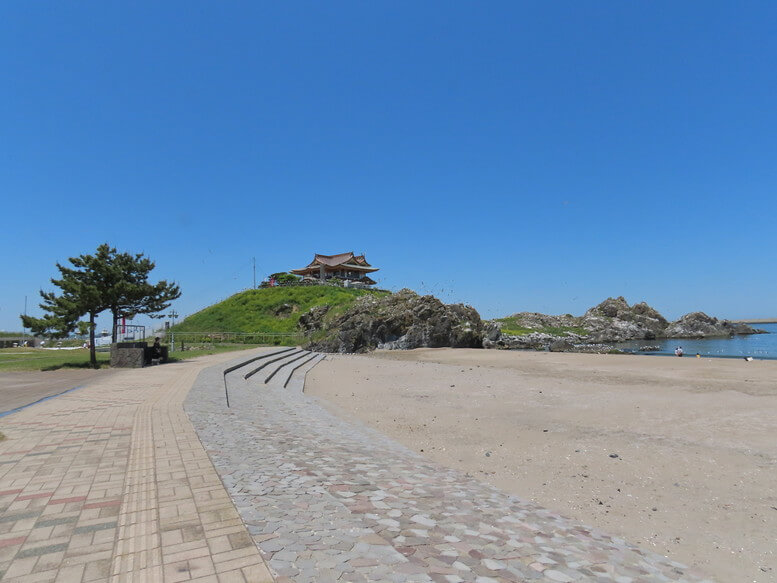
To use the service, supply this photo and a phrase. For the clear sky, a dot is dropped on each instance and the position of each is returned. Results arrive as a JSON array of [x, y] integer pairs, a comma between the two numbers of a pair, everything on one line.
[[511, 155]]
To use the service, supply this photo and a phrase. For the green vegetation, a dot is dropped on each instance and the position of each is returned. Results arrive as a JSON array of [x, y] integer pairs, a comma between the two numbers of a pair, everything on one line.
[[11, 334], [107, 280], [282, 278], [274, 310], [37, 359], [196, 351], [512, 326], [13, 359]]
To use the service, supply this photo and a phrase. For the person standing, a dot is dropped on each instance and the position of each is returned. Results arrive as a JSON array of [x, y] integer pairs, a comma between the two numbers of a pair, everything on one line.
[[156, 349]]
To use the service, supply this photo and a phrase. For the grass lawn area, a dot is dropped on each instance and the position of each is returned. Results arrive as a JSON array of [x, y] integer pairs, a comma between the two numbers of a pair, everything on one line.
[[179, 355], [38, 359]]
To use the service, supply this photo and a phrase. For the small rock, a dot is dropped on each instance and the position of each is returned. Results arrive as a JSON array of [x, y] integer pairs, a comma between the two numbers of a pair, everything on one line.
[[557, 576], [488, 454], [614, 455]]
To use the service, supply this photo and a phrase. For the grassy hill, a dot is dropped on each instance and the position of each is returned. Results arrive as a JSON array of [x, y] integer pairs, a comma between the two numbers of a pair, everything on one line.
[[269, 310]]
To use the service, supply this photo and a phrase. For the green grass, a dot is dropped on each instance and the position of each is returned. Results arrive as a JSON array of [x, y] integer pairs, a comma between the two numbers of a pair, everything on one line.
[[20, 359], [180, 355], [513, 327], [269, 310], [36, 359]]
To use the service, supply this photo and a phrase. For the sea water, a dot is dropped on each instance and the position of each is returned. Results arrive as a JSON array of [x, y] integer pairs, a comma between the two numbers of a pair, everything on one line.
[[739, 346]]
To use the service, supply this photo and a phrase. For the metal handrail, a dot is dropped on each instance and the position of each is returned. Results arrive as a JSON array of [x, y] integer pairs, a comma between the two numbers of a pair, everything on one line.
[[242, 364], [288, 378], [256, 370], [303, 355]]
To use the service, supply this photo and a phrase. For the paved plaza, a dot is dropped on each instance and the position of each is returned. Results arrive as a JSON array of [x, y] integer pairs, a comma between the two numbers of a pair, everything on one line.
[[147, 476], [110, 483]]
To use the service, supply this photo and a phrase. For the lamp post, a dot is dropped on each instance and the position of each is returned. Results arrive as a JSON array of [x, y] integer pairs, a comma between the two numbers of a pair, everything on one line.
[[173, 315]]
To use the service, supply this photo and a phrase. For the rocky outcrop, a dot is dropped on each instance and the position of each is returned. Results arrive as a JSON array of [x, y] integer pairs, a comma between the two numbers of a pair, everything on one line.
[[399, 321], [537, 321], [614, 321], [700, 325], [407, 320]]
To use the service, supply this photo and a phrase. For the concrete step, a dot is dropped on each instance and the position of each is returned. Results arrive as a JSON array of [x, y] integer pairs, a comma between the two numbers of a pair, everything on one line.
[[267, 362], [284, 365], [295, 381]]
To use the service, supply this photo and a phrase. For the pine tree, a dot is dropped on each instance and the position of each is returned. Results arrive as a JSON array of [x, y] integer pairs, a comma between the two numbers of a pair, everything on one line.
[[106, 280], [133, 294], [83, 294]]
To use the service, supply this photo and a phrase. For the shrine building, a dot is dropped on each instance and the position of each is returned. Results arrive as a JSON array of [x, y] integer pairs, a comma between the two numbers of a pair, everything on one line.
[[345, 266]]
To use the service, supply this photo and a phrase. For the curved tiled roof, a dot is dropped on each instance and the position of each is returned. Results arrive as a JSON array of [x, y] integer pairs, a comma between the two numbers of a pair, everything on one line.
[[347, 260], [333, 260]]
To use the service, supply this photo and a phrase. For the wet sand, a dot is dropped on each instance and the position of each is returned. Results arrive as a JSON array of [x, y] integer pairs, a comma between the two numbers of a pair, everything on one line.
[[678, 456]]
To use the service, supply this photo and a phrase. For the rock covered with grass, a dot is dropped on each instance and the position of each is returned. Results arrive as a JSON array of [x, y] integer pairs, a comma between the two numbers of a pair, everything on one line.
[[613, 320], [402, 320]]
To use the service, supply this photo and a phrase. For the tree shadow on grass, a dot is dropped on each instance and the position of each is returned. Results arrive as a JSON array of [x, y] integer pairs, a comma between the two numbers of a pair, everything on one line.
[[72, 365]]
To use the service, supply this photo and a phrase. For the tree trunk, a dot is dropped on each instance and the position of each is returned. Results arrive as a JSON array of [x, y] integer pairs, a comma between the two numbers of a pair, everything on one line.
[[115, 325], [92, 353]]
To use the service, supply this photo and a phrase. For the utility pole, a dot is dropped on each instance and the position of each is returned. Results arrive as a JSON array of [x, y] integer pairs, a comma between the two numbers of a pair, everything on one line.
[[173, 315], [254, 273], [24, 330]]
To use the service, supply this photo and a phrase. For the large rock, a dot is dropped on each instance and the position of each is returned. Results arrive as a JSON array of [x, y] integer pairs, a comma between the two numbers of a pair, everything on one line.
[[700, 325], [614, 321], [399, 321]]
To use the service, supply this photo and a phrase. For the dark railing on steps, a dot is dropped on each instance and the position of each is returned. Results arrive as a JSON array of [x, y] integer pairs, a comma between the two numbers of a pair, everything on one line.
[[249, 361], [303, 363], [264, 364], [273, 373]]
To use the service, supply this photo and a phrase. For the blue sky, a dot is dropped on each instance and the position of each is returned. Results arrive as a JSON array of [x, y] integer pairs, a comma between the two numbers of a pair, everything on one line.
[[514, 156]]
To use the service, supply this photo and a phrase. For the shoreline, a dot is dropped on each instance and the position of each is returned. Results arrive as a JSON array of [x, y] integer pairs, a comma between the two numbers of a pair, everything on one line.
[[694, 440]]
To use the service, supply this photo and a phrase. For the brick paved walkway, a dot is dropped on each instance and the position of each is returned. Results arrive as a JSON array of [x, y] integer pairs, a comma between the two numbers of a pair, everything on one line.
[[111, 483]]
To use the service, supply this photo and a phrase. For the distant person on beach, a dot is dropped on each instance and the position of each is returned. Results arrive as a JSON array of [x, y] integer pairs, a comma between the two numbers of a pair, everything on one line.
[[678, 351]]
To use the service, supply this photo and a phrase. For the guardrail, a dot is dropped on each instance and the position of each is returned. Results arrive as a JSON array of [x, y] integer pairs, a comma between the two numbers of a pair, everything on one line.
[[272, 338]]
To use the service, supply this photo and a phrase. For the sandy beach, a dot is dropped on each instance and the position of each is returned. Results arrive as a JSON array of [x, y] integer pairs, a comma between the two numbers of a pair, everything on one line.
[[678, 456]]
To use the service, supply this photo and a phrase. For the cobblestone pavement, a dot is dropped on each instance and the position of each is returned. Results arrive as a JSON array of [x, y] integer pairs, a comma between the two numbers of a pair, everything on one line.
[[110, 483], [328, 501]]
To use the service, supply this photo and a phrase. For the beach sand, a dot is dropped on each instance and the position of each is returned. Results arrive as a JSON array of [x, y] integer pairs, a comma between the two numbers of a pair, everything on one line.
[[677, 455]]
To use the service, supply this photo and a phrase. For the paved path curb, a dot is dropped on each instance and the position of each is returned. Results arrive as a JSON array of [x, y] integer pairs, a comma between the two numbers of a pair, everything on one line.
[[110, 483], [329, 501]]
